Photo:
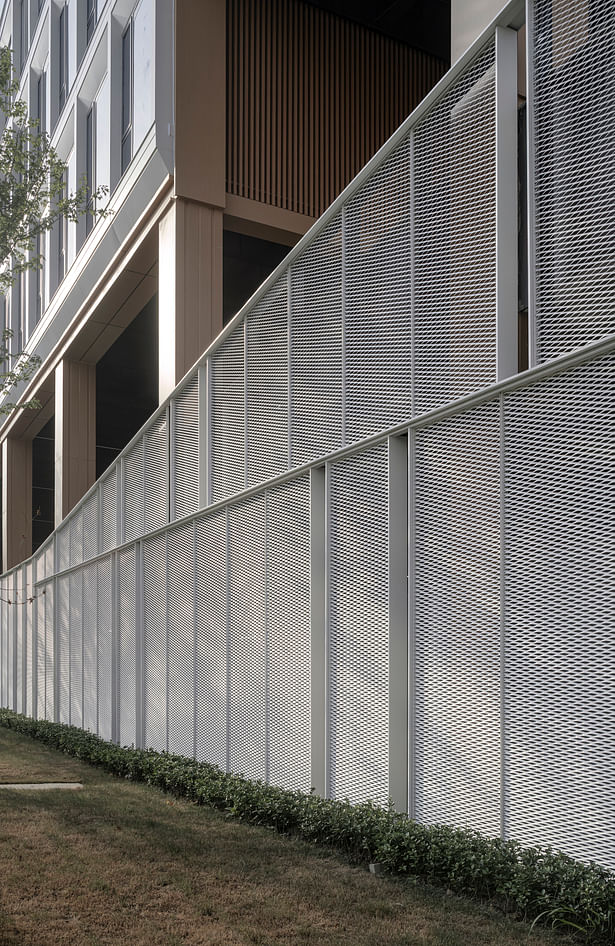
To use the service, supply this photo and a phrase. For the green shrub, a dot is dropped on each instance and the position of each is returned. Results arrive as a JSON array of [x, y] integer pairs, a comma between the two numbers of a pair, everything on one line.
[[539, 884]]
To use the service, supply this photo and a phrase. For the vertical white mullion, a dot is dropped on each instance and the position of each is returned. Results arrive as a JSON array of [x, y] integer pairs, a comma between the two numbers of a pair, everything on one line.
[[139, 648], [289, 297], [166, 633], [204, 433], [507, 289], [411, 629], [115, 657], [531, 210], [327, 626], [228, 636], [171, 421], [502, 451], [266, 635], [318, 630], [194, 648], [34, 647], [119, 502], [245, 401], [398, 620], [344, 398], [412, 276], [96, 642]]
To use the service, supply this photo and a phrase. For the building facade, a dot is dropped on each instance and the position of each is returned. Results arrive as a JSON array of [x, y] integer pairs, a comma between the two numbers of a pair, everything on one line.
[[366, 544], [212, 173]]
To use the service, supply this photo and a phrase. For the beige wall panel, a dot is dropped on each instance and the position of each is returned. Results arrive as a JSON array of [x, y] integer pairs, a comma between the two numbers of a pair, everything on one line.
[[200, 100], [16, 501], [190, 288], [75, 434]]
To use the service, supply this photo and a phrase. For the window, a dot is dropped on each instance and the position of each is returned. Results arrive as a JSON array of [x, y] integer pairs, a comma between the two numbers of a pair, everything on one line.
[[92, 16], [63, 236], [63, 68], [41, 102], [138, 51], [40, 279], [127, 96], [90, 167], [23, 33]]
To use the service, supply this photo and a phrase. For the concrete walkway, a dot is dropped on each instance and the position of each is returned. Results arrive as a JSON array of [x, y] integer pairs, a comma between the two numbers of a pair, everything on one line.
[[40, 786]]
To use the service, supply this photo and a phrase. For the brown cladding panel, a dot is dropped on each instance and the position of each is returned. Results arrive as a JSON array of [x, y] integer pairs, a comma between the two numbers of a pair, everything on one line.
[[310, 98]]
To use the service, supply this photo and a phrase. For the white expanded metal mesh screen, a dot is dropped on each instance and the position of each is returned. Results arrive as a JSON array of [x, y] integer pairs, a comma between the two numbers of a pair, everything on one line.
[[358, 626], [185, 450], [75, 609], [573, 130], [560, 606], [246, 640], [316, 347], [155, 656], [455, 240], [377, 300], [180, 631], [228, 416], [89, 614], [104, 602], [126, 652], [456, 632], [267, 385], [211, 639], [288, 635]]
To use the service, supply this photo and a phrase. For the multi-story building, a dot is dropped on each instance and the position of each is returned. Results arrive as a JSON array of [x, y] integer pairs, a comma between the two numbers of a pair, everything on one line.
[[366, 543], [222, 130]]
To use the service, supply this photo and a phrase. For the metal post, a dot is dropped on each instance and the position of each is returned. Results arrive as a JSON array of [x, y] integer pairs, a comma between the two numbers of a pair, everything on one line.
[[139, 648], [318, 630], [507, 301], [398, 621]]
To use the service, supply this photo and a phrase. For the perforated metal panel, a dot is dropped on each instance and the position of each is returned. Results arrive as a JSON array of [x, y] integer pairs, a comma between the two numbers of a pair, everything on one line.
[[316, 347], [62, 548], [181, 640], [90, 647], [29, 651], [358, 626], [156, 457], [155, 656], [560, 605], [90, 526], [76, 649], [573, 122], [41, 637], [133, 492], [185, 426], [105, 648], [454, 240], [211, 639], [63, 651], [247, 655], [227, 414], [19, 641], [108, 511], [289, 635], [126, 664], [377, 299], [49, 557], [267, 385], [76, 537], [457, 621], [50, 653]]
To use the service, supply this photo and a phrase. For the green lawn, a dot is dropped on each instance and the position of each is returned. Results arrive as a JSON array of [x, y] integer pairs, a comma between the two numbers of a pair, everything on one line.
[[122, 863]]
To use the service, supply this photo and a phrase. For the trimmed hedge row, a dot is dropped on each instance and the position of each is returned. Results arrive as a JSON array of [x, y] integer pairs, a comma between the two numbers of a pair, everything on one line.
[[536, 883]]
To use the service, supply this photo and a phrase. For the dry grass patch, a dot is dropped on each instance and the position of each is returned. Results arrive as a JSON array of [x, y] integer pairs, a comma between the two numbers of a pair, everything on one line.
[[122, 863]]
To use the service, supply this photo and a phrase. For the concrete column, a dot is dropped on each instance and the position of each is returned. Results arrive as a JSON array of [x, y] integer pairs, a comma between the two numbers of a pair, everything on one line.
[[189, 287], [16, 501], [75, 434]]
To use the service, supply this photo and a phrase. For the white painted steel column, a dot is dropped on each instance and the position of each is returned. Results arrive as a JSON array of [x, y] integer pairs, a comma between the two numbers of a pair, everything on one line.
[[411, 633], [204, 434], [531, 211], [507, 302], [398, 622], [139, 649], [318, 623]]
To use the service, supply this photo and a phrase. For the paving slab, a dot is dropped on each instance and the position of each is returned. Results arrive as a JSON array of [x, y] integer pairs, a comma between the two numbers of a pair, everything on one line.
[[40, 786]]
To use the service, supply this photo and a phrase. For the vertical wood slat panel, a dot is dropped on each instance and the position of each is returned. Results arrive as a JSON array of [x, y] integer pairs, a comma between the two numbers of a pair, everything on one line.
[[310, 98]]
